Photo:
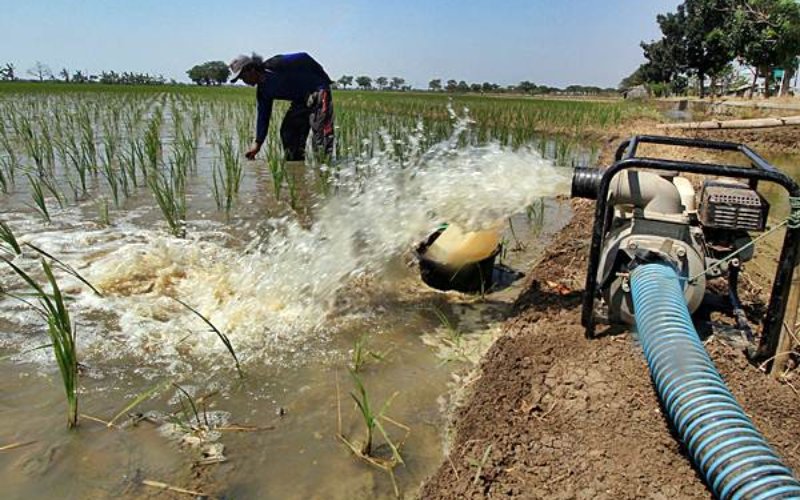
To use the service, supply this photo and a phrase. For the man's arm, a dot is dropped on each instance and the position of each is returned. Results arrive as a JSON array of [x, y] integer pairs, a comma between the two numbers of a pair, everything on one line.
[[262, 125]]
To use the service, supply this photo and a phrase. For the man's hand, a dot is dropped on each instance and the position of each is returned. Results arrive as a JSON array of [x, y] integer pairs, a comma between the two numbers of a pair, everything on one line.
[[251, 154]]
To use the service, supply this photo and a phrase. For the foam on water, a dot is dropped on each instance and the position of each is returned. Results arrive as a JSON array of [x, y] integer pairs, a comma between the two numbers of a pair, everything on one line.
[[274, 296]]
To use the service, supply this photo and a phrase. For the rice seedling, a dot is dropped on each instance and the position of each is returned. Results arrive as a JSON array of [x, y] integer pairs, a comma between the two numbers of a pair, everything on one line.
[[65, 267], [185, 423], [361, 354], [5, 177], [7, 237], [453, 333], [277, 169], [51, 306], [374, 422], [37, 193], [152, 142], [228, 177], [111, 178], [224, 338], [169, 191], [139, 399]]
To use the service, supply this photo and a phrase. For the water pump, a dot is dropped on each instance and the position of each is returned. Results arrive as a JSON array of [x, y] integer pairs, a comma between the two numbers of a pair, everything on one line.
[[648, 210]]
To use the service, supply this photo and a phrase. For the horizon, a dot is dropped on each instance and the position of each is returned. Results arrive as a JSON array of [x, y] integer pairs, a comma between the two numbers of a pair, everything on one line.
[[524, 41]]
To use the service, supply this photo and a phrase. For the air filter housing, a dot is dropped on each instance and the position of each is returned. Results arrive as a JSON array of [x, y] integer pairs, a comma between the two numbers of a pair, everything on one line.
[[732, 205]]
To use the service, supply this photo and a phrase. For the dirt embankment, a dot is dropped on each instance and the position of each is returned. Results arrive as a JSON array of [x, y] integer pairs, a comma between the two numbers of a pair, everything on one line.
[[556, 415]]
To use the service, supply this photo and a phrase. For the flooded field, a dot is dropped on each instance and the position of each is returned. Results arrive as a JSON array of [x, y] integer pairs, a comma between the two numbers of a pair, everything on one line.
[[240, 308]]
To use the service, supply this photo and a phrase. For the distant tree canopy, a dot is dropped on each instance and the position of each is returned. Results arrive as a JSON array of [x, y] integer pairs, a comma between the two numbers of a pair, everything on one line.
[[364, 82], [345, 81], [703, 37], [209, 73], [124, 78], [7, 72]]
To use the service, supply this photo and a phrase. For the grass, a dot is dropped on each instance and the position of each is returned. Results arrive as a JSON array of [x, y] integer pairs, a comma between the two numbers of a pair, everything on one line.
[[61, 330]]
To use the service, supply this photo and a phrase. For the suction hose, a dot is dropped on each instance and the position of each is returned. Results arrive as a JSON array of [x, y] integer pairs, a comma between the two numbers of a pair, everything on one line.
[[733, 457]]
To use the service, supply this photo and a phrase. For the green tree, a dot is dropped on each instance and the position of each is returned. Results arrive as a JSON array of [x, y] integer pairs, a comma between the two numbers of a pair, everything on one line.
[[209, 73], [435, 84], [381, 82], [766, 36], [451, 85], [526, 87], [708, 43], [364, 82], [345, 81], [397, 83]]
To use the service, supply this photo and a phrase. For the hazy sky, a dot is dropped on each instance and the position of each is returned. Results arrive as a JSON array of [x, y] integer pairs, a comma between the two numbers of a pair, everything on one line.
[[553, 42]]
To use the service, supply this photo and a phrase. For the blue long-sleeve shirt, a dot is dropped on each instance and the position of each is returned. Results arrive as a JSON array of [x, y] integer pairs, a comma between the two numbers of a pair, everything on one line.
[[289, 77]]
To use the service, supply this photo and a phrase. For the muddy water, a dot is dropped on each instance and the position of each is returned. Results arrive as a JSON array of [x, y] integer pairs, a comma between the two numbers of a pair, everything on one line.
[[294, 296]]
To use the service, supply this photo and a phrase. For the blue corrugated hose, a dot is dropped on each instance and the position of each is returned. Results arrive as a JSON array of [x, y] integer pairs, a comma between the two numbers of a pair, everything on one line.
[[734, 458]]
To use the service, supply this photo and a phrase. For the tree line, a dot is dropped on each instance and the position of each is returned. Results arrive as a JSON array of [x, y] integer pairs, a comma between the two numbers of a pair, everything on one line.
[[714, 38], [42, 72], [438, 85]]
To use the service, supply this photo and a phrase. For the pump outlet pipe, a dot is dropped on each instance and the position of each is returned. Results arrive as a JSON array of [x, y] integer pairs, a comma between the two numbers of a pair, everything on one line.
[[733, 457]]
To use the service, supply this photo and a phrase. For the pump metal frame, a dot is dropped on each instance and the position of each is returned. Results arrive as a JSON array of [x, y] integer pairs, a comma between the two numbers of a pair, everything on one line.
[[760, 170]]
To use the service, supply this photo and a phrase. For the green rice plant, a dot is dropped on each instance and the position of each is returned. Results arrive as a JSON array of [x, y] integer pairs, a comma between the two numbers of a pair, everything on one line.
[[372, 422], [224, 338], [187, 417], [88, 146], [7, 237], [6, 174], [361, 354], [51, 185], [64, 267], [277, 168], [227, 178], [61, 331], [152, 141], [169, 191], [139, 399], [40, 204], [113, 183], [33, 144], [453, 333]]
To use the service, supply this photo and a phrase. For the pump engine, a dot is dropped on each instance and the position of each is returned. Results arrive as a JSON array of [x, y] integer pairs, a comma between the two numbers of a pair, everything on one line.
[[647, 209]]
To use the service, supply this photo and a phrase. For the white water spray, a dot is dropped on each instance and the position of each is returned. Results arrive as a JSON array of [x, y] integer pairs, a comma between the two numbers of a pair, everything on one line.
[[271, 297]]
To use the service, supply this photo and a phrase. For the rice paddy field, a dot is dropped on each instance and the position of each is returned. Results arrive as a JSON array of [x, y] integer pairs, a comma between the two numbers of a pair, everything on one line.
[[176, 320]]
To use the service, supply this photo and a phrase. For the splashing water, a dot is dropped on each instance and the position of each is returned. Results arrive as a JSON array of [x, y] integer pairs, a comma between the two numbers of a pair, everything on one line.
[[276, 293]]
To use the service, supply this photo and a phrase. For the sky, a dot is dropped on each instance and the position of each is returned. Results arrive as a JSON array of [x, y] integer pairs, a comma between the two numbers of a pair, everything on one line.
[[548, 42]]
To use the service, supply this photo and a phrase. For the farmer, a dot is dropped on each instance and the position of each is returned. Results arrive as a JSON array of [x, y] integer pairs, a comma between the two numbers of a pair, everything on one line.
[[296, 78]]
